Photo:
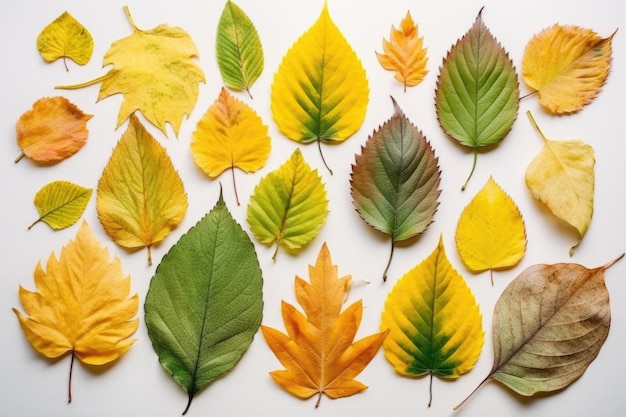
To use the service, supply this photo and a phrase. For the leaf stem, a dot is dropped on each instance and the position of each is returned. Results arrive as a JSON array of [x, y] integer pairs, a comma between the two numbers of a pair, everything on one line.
[[34, 223], [534, 123], [69, 384], [130, 17], [65, 63], [275, 252], [393, 245], [319, 398], [472, 171], [188, 403], [19, 157], [149, 255], [319, 147], [491, 275], [430, 390], [232, 170], [86, 83], [613, 262], [456, 407]]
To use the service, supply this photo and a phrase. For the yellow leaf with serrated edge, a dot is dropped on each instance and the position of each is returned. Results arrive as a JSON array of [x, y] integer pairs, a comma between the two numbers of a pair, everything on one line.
[[435, 325], [404, 53], [490, 233], [140, 197], [562, 177], [320, 90], [64, 38], [82, 304], [567, 66], [229, 135]]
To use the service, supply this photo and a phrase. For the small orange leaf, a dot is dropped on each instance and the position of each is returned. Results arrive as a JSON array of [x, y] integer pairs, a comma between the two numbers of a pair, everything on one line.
[[53, 130]]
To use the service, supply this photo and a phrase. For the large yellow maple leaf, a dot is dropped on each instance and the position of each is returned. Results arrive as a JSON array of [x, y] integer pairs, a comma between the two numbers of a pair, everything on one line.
[[318, 350]]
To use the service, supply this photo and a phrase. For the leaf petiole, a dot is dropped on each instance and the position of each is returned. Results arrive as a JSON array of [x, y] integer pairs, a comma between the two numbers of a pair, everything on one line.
[[393, 245], [473, 168], [69, 385], [319, 147]]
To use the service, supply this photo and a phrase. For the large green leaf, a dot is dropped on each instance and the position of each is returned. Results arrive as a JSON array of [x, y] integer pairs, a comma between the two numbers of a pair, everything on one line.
[[395, 181], [477, 96], [238, 47], [61, 203], [205, 301]]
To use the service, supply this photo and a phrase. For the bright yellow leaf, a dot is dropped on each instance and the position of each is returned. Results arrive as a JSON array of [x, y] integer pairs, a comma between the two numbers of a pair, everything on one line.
[[404, 53], [229, 135], [490, 233], [64, 38], [141, 197], [318, 350], [562, 177], [81, 305], [567, 66]]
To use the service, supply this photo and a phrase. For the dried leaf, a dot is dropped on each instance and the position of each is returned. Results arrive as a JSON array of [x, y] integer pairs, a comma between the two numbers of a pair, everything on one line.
[[230, 134], [53, 130], [490, 233], [156, 71], [61, 203], [318, 350], [404, 53], [477, 96], [562, 177], [64, 38], [435, 325], [548, 326], [567, 66], [81, 306], [205, 301], [289, 206], [395, 181], [320, 91], [141, 197]]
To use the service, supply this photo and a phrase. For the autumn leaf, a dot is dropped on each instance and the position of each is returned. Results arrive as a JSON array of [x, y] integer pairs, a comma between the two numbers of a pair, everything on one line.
[[53, 130], [61, 203], [65, 38], [230, 134], [239, 49], [156, 72], [562, 177], [320, 90], [435, 326], [548, 326], [205, 301], [567, 66], [81, 305], [490, 233], [395, 181], [477, 95], [141, 197], [289, 206], [318, 350], [404, 53]]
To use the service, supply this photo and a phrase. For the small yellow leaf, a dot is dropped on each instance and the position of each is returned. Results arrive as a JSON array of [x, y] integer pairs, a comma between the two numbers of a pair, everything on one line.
[[490, 233], [229, 135], [64, 38], [404, 53]]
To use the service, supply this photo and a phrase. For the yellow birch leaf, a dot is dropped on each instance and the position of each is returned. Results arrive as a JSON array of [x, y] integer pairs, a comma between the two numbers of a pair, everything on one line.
[[490, 233], [404, 53], [81, 305], [140, 197], [64, 38], [562, 177], [567, 66], [229, 135]]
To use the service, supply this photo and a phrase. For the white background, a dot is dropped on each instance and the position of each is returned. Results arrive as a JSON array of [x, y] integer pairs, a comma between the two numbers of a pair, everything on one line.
[[137, 385]]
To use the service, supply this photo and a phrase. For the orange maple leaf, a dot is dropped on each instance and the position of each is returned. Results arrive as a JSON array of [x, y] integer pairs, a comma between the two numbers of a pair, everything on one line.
[[318, 350]]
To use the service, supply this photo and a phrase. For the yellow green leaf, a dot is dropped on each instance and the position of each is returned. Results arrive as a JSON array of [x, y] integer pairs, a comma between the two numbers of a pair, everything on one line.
[[64, 38], [404, 53], [435, 325], [61, 203], [490, 233], [289, 206], [81, 305], [562, 177], [320, 90], [567, 66], [156, 71], [140, 197], [230, 134]]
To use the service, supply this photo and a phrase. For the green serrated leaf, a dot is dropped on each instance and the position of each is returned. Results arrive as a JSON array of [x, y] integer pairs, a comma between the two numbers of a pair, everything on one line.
[[477, 96], [395, 181], [205, 301], [239, 49], [61, 203], [289, 205]]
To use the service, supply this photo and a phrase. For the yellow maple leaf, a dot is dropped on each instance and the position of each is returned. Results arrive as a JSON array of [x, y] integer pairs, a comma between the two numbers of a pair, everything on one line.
[[230, 134], [64, 38], [404, 53], [490, 233], [82, 304], [157, 72], [567, 66], [318, 350]]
